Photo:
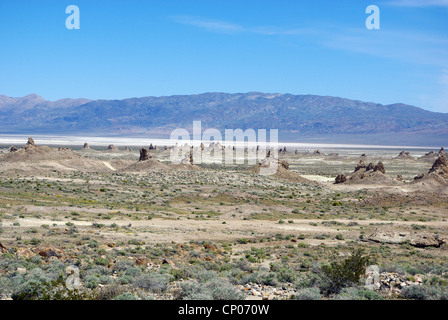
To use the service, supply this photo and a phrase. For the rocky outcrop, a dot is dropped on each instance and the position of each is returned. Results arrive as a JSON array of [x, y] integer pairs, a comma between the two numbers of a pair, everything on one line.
[[333, 155], [380, 168], [389, 237], [24, 253], [437, 175], [430, 156], [266, 162], [13, 149], [440, 166], [49, 160], [3, 248], [144, 154], [141, 262], [360, 166], [86, 146], [188, 159], [48, 251], [367, 174], [112, 147], [30, 142], [340, 179], [284, 164], [404, 155], [420, 240], [424, 240], [394, 282]]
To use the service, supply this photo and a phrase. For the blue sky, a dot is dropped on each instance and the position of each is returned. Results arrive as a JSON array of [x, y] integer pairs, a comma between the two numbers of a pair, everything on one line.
[[137, 48]]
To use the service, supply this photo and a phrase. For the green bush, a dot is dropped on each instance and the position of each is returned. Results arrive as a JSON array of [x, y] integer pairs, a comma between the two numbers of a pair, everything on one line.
[[152, 282], [308, 294], [358, 294], [101, 262], [216, 289], [415, 293], [125, 296], [340, 274]]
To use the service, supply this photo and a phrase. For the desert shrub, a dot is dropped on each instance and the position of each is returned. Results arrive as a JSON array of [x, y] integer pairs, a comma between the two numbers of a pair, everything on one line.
[[109, 292], [4, 285], [189, 290], [340, 274], [284, 273], [106, 280], [339, 237], [152, 282], [200, 296], [392, 268], [132, 272], [354, 293], [36, 285], [92, 281], [243, 265], [203, 275], [101, 261], [125, 296], [221, 289], [36, 259], [216, 289], [122, 265], [439, 293], [415, 293], [125, 279], [180, 273], [261, 277], [310, 280], [308, 294]]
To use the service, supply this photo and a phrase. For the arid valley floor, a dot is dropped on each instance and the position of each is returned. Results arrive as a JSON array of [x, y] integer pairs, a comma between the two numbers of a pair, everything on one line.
[[153, 230]]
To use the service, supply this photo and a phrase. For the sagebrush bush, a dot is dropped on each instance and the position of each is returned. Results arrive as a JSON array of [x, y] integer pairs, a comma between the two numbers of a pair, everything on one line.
[[355, 293], [216, 289], [133, 272], [122, 265], [308, 294], [125, 296], [415, 293], [261, 277], [152, 282]]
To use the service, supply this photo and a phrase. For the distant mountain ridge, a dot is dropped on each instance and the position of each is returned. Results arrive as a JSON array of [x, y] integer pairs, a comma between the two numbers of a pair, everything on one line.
[[296, 116]]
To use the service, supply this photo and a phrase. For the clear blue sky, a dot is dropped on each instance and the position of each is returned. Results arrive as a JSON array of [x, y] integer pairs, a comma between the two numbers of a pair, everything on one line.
[[137, 48]]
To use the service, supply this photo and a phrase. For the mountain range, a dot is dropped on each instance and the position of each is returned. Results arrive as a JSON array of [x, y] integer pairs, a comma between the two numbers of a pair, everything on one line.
[[299, 118]]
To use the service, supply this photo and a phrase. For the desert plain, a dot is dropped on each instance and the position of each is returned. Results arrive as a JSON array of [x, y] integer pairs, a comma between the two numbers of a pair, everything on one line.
[[136, 226]]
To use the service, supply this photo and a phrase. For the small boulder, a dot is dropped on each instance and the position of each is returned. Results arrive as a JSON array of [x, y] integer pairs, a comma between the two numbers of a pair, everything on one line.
[[141, 262], [49, 251], [24, 252]]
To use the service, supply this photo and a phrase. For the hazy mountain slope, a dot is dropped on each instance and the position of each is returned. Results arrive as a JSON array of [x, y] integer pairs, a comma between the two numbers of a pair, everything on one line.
[[305, 115]]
